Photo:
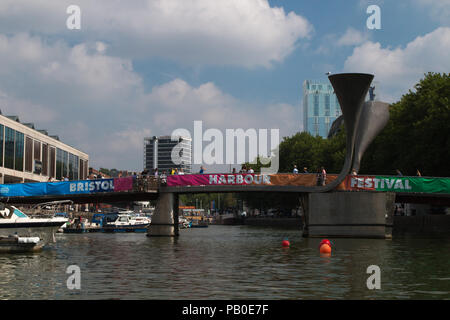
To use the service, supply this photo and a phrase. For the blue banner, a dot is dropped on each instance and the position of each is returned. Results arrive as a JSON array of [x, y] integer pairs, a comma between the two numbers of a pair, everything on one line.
[[53, 188]]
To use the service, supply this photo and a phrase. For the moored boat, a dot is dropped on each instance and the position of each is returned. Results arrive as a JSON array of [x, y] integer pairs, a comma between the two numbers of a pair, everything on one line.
[[19, 231], [199, 224], [184, 223], [81, 225], [14, 243], [126, 223]]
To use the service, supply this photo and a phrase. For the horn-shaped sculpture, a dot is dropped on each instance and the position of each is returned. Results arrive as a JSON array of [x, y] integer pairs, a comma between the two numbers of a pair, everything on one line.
[[360, 125], [374, 117]]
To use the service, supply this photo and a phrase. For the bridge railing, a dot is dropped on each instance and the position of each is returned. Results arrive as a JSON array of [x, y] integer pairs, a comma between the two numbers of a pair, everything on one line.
[[147, 183]]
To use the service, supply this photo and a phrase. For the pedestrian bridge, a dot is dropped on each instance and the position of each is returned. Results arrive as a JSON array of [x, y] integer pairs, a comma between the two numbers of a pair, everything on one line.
[[149, 188], [356, 206]]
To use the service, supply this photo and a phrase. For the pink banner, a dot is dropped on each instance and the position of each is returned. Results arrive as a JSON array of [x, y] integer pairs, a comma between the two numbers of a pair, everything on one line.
[[123, 184], [283, 179], [188, 180], [217, 179]]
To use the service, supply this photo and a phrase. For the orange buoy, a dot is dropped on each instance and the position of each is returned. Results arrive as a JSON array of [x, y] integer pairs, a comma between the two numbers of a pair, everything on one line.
[[325, 246], [285, 243]]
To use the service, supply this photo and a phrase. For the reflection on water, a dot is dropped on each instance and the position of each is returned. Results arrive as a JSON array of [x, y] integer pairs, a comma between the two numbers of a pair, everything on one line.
[[228, 262]]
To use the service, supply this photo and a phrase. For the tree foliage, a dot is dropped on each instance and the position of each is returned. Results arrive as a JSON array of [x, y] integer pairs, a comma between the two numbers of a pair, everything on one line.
[[417, 136]]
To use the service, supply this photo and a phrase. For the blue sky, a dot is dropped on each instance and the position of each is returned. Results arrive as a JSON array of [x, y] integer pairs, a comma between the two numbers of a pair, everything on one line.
[[143, 68]]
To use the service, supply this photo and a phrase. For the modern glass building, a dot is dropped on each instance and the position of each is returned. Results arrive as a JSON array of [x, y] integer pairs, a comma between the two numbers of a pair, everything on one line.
[[158, 153], [320, 107], [30, 155]]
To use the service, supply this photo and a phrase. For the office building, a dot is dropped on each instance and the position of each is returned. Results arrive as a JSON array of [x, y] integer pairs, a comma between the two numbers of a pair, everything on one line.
[[31, 155], [320, 107], [158, 153]]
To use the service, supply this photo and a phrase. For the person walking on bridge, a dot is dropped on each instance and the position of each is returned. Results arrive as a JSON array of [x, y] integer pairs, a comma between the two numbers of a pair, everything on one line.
[[324, 175], [295, 169], [321, 176]]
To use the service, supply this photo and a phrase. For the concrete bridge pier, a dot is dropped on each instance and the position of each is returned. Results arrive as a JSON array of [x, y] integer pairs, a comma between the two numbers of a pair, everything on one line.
[[165, 218], [348, 214]]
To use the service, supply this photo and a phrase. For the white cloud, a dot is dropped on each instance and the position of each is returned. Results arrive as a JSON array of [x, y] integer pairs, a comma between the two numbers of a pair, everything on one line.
[[398, 69], [99, 104], [234, 32], [26, 110], [352, 37], [440, 9]]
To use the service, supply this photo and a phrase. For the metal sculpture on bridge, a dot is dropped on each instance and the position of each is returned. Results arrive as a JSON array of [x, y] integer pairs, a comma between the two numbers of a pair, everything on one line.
[[363, 120]]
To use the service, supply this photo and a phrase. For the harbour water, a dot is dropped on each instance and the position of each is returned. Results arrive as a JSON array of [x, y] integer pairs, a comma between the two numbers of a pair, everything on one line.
[[229, 262]]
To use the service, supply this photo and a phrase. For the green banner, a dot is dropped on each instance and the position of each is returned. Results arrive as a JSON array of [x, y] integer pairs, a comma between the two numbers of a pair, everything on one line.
[[399, 184]]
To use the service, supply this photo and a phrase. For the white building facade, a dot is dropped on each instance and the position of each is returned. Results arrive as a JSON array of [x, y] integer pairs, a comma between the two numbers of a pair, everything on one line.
[[30, 155]]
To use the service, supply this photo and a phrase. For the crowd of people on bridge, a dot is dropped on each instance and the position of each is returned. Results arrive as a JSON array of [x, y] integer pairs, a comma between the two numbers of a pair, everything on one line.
[[321, 174]]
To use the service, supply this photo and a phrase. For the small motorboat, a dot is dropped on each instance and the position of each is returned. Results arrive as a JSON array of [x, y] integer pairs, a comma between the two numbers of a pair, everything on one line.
[[126, 223], [199, 224], [14, 243], [81, 225], [19, 232], [184, 223]]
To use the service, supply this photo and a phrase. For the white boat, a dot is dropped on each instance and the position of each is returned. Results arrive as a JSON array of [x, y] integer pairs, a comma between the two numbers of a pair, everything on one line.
[[184, 223], [127, 223], [19, 232], [139, 219]]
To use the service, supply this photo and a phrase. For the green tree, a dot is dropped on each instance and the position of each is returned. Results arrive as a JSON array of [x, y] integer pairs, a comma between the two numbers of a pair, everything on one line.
[[105, 171], [418, 133]]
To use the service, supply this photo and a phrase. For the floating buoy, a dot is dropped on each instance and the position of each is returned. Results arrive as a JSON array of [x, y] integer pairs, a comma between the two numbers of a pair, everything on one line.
[[285, 243], [325, 246]]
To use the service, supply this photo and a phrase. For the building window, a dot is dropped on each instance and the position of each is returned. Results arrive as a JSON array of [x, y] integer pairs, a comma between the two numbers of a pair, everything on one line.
[[44, 159], [81, 166], [65, 170], [59, 163], [28, 154], [327, 105], [19, 145], [76, 168], [52, 162], [73, 167], [316, 129], [9, 147], [37, 157], [1, 145], [316, 105]]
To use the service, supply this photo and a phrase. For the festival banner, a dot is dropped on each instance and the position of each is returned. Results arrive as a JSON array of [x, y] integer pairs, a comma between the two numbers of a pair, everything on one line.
[[398, 184], [66, 187], [123, 184], [307, 180]]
